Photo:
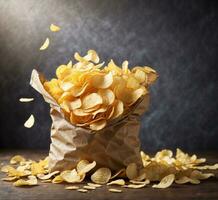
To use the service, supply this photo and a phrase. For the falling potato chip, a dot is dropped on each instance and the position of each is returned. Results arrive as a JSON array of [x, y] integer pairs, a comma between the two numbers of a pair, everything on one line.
[[117, 182], [47, 176], [26, 99], [165, 182], [102, 81], [84, 166], [94, 185], [17, 159], [186, 179], [71, 187], [82, 190], [45, 45], [88, 187], [114, 190], [131, 171], [32, 180], [30, 122], [101, 176], [54, 28]]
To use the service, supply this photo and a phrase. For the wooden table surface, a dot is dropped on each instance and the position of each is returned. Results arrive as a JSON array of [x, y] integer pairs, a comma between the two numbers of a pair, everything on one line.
[[207, 190]]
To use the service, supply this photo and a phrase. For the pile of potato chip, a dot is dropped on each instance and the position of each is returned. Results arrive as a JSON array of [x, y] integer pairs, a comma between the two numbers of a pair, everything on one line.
[[91, 94], [162, 171]]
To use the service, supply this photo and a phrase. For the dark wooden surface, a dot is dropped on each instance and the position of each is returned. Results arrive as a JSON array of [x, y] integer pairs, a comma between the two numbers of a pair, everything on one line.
[[207, 190]]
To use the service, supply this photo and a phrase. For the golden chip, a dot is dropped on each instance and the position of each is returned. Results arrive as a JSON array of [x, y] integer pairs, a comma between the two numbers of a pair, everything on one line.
[[94, 185], [102, 81], [71, 187], [82, 190], [131, 171], [45, 45], [47, 176], [17, 159], [185, 179], [117, 182], [98, 125], [32, 180], [58, 179], [12, 178], [88, 187], [114, 190], [101, 176], [84, 166], [54, 28], [165, 182], [91, 101], [70, 176]]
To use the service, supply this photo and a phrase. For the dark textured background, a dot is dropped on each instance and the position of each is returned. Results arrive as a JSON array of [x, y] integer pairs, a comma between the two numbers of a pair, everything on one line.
[[178, 38]]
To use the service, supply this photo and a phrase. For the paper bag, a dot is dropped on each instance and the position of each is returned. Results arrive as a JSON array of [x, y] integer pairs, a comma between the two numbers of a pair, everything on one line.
[[115, 146]]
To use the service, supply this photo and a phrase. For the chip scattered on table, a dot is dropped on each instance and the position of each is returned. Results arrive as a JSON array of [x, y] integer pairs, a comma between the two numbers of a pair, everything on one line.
[[30, 122]]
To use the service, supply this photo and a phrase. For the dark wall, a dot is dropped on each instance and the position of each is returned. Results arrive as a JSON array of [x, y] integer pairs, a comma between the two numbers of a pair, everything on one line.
[[178, 38]]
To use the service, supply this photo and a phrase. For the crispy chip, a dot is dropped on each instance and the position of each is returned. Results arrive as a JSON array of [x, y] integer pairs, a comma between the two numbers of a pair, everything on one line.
[[58, 179], [26, 99], [91, 101], [94, 185], [30, 122], [140, 182], [45, 45], [101, 176], [102, 81], [32, 180], [98, 125], [17, 159], [165, 182], [131, 171], [120, 173], [107, 96], [12, 178], [54, 28], [186, 179], [6, 168], [70, 176], [88, 187], [47, 176], [117, 182], [82, 190], [84, 166], [71, 187], [201, 176], [135, 186], [114, 190]]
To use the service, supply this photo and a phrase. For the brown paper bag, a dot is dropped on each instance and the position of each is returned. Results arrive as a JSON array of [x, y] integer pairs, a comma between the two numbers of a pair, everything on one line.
[[115, 146]]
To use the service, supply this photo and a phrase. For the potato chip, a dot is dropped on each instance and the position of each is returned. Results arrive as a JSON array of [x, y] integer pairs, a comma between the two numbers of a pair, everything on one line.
[[98, 125], [107, 96], [120, 173], [70, 176], [101, 176], [140, 76], [58, 179], [26, 99], [94, 185], [84, 166], [6, 168], [135, 186], [102, 81], [17, 159], [186, 179], [45, 45], [30, 122], [32, 180], [165, 182], [66, 86], [117, 182], [70, 64], [91, 101], [12, 178], [140, 182], [114, 190], [82, 190], [201, 176], [131, 171], [54, 28], [37, 168], [88, 187], [71, 187], [118, 109], [47, 176]]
